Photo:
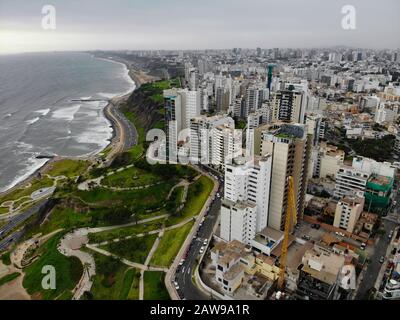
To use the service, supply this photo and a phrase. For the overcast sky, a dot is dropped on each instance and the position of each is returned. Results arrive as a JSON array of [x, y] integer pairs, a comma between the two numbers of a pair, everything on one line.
[[189, 24]]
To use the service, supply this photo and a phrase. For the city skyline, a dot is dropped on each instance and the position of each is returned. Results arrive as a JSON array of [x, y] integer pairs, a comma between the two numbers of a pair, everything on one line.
[[134, 25]]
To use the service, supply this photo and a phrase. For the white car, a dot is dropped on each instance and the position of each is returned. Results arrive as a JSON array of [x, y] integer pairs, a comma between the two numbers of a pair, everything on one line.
[[218, 195], [205, 242], [176, 285], [201, 250], [181, 262]]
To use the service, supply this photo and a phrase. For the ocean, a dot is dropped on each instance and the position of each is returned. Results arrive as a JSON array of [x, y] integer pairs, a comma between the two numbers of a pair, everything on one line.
[[38, 115]]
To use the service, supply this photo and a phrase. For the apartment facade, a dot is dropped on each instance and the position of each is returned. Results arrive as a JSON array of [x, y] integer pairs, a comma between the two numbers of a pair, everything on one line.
[[348, 211], [289, 146]]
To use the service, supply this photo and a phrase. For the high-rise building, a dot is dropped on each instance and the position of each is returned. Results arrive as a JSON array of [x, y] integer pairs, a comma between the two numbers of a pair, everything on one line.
[[222, 97], [289, 146], [194, 79], [289, 106], [213, 140], [173, 123], [247, 181], [315, 127], [192, 105]]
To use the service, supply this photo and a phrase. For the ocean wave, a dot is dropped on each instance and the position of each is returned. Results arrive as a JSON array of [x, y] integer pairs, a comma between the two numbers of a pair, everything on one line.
[[43, 112], [67, 113], [108, 95], [86, 98], [32, 164], [32, 121]]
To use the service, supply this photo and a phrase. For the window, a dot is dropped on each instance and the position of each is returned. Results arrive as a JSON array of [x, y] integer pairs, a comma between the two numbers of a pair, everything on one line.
[[220, 268]]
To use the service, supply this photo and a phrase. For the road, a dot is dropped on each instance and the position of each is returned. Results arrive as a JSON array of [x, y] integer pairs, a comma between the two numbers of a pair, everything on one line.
[[187, 289], [14, 222], [125, 130], [371, 274]]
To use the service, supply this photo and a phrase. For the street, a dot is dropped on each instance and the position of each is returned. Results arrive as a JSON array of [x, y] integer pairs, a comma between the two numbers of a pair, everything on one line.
[[187, 289], [372, 272], [14, 222]]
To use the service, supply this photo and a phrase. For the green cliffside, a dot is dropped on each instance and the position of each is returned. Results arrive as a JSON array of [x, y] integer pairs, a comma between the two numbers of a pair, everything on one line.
[[147, 103]]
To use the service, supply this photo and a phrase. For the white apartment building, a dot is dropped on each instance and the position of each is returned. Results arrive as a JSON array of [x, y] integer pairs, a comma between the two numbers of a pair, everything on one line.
[[238, 220], [349, 181], [192, 106], [387, 112], [370, 166], [348, 211], [214, 140], [250, 181], [330, 159]]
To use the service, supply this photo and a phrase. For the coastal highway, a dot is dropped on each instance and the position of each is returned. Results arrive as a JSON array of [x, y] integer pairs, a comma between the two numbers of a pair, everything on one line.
[[125, 130], [15, 221], [187, 289]]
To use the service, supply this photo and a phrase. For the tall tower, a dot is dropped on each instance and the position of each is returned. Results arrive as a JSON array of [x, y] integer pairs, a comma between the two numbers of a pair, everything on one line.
[[270, 72]]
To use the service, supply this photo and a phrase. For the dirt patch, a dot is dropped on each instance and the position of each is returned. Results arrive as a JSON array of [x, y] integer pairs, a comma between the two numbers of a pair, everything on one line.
[[14, 290]]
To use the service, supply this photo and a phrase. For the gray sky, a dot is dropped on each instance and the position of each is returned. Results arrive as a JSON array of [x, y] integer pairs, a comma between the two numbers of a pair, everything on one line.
[[189, 24]]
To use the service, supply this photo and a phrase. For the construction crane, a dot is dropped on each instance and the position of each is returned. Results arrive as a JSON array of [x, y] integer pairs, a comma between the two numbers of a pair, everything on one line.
[[290, 220]]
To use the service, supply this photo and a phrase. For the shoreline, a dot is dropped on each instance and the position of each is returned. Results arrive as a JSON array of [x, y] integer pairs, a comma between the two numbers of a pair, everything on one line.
[[137, 79]]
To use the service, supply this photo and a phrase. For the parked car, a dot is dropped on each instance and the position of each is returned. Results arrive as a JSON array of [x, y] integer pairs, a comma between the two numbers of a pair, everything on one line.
[[201, 250], [205, 242], [181, 262], [382, 259]]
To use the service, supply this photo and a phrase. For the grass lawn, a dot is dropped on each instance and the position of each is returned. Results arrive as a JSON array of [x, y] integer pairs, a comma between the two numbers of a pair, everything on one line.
[[129, 178], [125, 231], [8, 278], [136, 151], [140, 130], [115, 285], [67, 167], [154, 288], [64, 218], [3, 211], [68, 271], [149, 197], [130, 289], [134, 290], [198, 193], [170, 245], [134, 249]]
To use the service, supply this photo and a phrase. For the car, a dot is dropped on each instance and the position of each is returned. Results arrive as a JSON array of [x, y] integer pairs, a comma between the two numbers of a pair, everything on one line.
[[306, 237], [205, 242], [382, 259], [181, 262], [201, 250], [297, 226], [317, 226], [176, 285], [342, 234], [218, 195]]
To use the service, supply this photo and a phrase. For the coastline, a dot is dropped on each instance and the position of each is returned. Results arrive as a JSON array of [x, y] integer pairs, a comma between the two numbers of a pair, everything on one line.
[[136, 76]]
